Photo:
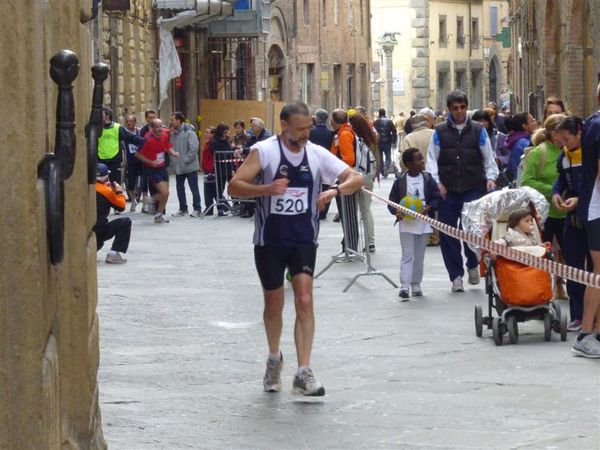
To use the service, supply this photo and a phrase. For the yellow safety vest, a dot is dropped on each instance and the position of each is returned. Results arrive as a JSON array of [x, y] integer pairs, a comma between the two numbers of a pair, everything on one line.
[[108, 143]]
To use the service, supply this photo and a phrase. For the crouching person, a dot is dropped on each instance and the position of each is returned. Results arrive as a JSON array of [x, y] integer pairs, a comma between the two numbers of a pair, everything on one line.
[[110, 195]]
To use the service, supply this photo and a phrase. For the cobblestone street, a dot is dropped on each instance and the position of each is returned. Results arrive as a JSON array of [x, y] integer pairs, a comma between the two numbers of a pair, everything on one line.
[[183, 352]]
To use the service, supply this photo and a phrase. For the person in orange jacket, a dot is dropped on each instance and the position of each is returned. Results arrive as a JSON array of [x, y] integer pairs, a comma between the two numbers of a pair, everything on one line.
[[110, 195], [343, 146]]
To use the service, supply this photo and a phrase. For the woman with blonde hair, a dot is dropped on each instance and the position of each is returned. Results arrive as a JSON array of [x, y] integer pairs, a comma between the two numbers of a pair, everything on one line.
[[540, 172]]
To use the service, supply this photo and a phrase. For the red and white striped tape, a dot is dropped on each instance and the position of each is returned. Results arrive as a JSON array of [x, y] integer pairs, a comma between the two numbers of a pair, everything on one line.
[[545, 264]]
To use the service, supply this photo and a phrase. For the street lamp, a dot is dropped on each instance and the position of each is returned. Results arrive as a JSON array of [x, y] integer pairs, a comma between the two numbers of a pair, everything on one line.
[[386, 43]]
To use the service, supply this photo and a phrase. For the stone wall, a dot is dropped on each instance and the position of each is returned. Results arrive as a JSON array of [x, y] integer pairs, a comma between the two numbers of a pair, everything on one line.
[[420, 63], [560, 52], [49, 350], [129, 45]]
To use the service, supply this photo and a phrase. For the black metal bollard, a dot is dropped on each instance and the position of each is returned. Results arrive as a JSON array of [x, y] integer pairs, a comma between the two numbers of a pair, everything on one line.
[[64, 67], [93, 130]]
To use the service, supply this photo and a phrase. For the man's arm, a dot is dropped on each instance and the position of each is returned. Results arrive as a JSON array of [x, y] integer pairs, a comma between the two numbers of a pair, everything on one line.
[[433, 153], [241, 184], [129, 137], [394, 134], [489, 159], [350, 181]]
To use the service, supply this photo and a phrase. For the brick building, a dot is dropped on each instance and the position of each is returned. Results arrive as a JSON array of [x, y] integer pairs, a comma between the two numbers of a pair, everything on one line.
[[319, 52], [556, 52]]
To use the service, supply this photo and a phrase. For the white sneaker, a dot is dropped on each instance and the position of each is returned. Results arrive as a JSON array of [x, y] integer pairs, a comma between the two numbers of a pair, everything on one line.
[[306, 384], [159, 218], [196, 213], [133, 206], [115, 259], [457, 285], [474, 275], [272, 379], [588, 347], [180, 214]]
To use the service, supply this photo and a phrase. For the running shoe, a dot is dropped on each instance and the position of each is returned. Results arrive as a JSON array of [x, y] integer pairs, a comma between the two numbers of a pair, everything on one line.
[[574, 325], [196, 213], [115, 259], [457, 285], [403, 294], [159, 218], [272, 379], [474, 275], [180, 214], [416, 290], [371, 247], [133, 205], [588, 347], [306, 384]]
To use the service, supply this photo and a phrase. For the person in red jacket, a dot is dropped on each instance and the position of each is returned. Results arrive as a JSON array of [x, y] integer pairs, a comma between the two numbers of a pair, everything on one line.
[[208, 167], [110, 195]]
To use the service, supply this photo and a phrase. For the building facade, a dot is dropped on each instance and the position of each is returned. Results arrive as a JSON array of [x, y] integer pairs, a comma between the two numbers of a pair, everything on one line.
[[442, 46], [319, 52], [556, 52]]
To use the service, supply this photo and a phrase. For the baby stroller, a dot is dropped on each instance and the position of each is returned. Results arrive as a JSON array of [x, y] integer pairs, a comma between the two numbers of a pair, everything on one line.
[[516, 292]]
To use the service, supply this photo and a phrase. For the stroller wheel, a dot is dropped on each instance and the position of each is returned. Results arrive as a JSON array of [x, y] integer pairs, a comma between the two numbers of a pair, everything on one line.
[[548, 326], [497, 331], [563, 328], [478, 321], [513, 329]]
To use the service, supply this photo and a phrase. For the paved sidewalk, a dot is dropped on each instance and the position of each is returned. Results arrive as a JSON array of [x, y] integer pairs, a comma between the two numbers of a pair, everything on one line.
[[183, 353]]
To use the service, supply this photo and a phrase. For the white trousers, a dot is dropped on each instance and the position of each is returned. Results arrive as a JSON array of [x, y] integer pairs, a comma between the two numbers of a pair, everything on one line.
[[411, 263]]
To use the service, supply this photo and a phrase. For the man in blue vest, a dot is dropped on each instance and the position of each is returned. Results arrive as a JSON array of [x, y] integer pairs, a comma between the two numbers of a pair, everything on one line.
[[113, 138], [461, 161]]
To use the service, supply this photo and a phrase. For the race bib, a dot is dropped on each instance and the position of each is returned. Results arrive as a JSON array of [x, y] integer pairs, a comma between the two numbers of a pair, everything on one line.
[[292, 203], [132, 148], [160, 157]]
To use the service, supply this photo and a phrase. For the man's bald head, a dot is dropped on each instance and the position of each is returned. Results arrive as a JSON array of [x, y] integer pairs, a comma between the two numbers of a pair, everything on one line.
[[338, 118]]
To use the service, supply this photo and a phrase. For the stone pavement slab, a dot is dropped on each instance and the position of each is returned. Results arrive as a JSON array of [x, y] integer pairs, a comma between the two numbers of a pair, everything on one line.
[[183, 353]]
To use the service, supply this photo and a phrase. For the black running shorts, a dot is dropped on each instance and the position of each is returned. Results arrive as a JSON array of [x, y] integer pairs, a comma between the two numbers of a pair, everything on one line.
[[271, 263], [592, 229]]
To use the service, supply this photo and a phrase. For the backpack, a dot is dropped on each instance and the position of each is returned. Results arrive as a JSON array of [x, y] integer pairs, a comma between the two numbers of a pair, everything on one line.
[[365, 159], [523, 162]]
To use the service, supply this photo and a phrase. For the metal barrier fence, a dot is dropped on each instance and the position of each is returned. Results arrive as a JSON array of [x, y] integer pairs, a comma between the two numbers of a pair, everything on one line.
[[226, 164], [355, 245]]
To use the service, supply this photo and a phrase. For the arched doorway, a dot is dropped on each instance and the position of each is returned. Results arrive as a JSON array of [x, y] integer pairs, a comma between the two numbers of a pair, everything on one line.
[[493, 81], [276, 70]]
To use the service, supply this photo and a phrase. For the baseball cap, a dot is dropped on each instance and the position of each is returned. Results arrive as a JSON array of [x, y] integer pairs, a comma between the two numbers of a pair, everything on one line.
[[102, 170]]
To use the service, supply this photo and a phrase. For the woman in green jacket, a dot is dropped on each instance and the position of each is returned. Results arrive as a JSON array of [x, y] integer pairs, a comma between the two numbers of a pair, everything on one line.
[[540, 172]]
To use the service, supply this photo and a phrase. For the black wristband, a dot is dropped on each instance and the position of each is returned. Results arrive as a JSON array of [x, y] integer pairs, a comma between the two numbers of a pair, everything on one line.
[[337, 189]]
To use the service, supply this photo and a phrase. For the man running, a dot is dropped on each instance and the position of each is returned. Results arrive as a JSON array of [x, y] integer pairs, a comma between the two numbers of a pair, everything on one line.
[[291, 170], [152, 154]]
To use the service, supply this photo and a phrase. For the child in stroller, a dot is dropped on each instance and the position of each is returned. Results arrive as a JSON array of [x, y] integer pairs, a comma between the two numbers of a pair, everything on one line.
[[518, 292]]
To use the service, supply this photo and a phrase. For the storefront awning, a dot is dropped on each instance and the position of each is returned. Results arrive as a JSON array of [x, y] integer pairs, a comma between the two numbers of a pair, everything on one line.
[[193, 12]]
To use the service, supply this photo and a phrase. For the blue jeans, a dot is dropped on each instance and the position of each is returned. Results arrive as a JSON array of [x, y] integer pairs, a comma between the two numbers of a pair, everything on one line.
[[192, 179], [449, 213], [386, 156]]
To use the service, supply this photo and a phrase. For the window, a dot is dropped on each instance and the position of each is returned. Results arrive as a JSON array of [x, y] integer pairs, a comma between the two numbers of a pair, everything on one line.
[[306, 12], [336, 11], [350, 13], [460, 32], [350, 94], [307, 83], [324, 11], [493, 21], [475, 33], [443, 37], [362, 16], [459, 80]]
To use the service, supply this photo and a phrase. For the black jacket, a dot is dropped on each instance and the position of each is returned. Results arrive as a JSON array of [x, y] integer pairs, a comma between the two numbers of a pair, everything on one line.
[[386, 130], [321, 135]]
